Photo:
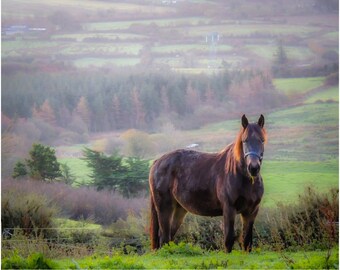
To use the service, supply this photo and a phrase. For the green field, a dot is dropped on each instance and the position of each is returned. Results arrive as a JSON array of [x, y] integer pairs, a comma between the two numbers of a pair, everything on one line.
[[297, 85], [187, 257], [268, 52], [99, 62], [78, 168], [326, 95], [284, 180]]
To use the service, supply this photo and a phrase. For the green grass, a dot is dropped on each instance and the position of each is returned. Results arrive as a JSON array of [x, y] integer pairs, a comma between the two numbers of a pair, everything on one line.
[[182, 258], [64, 223], [78, 168], [99, 62], [268, 52], [75, 48], [284, 180], [297, 85], [332, 36], [124, 25], [249, 29], [26, 47], [109, 36], [330, 94], [180, 48], [306, 115]]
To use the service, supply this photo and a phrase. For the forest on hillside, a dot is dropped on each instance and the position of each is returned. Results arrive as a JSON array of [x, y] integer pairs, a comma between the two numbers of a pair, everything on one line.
[[95, 102]]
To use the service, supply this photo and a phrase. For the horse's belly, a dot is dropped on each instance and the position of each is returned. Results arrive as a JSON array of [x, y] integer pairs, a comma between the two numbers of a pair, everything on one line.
[[199, 202]]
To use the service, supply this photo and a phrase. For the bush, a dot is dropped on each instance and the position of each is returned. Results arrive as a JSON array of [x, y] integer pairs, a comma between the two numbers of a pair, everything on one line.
[[130, 235], [31, 212], [311, 223], [203, 231], [81, 203], [137, 144]]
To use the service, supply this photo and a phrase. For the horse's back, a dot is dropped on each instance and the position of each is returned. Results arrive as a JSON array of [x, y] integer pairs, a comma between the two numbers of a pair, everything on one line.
[[180, 164]]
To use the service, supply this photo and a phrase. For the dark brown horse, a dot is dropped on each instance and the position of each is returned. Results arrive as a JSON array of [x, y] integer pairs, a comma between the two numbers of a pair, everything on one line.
[[225, 183]]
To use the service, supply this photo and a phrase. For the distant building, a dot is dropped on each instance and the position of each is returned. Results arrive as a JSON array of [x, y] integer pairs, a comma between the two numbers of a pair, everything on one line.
[[169, 2], [20, 30], [213, 37], [15, 29]]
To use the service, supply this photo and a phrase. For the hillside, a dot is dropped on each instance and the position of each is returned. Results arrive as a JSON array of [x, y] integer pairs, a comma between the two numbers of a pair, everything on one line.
[[188, 36]]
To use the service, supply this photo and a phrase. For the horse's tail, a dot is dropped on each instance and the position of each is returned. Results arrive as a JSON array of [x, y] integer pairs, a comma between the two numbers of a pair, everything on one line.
[[154, 227]]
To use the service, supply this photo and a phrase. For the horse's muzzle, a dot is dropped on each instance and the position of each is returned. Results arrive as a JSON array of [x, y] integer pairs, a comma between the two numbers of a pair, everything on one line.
[[254, 168]]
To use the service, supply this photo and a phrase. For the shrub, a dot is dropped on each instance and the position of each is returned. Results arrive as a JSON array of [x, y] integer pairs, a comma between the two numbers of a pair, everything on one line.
[[130, 235], [137, 144], [107, 145], [31, 212], [311, 223], [103, 206], [203, 231]]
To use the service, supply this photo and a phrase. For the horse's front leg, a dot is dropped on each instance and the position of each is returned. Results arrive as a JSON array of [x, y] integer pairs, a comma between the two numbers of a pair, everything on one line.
[[248, 223], [229, 214]]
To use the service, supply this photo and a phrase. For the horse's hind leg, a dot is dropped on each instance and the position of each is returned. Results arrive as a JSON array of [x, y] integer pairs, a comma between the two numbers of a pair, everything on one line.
[[165, 211], [177, 219]]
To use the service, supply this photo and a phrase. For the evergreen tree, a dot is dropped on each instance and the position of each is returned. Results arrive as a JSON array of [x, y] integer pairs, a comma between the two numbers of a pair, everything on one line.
[[128, 176], [43, 164], [280, 55], [66, 175]]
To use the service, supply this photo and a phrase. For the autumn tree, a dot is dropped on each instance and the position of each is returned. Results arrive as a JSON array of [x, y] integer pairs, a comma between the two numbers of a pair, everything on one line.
[[83, 111], [137, 143], [139, 112], [45, 113]]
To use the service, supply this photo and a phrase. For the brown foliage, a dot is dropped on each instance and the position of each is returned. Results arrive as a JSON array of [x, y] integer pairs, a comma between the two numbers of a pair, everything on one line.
[[78, 203]]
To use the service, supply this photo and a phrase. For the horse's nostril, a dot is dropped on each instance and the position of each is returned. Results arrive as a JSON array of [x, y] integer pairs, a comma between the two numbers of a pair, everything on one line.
[[254, 170]]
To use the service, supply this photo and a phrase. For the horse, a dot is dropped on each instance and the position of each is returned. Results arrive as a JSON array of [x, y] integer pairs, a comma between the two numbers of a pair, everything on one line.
[[209, 184]]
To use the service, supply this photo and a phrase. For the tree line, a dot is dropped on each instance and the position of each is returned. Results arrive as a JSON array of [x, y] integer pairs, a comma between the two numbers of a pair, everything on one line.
[[95, 102]]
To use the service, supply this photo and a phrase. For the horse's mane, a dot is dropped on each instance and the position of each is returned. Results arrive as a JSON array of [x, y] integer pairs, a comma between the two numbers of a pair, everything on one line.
[[234, 150]]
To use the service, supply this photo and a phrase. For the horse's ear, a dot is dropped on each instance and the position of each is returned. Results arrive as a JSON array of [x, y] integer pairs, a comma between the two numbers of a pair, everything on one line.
[[244, 121], [261, 121]]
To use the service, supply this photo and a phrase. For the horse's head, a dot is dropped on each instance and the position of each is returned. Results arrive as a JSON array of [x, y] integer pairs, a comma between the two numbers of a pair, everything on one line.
[[252, 140]]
